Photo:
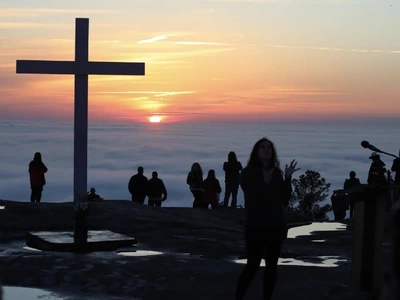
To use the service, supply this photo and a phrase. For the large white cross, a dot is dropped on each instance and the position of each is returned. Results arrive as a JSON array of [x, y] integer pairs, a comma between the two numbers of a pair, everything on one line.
[[80, 68]]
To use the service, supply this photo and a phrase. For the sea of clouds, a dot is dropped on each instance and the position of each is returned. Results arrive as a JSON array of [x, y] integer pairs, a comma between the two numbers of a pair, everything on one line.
[[116, 150]]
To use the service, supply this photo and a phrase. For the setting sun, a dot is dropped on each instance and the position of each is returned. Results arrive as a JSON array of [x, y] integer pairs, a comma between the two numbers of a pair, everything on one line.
[[155, 119]]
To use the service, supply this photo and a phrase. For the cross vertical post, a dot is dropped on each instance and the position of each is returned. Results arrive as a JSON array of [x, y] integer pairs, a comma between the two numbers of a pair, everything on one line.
[[81, 112], [81, 129]]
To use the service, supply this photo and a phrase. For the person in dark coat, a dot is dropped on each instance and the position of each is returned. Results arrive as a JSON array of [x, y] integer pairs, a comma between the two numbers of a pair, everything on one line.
[[349, 183], [232, 169], [266, 190], [157, 192], [195, 182], [377, 171], [211, 190], [396, 168], [138, 185], [92, 196], [36, 175]]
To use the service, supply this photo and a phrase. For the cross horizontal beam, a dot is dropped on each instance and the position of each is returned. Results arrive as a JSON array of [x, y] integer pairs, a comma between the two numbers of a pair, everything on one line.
[[79, 68]]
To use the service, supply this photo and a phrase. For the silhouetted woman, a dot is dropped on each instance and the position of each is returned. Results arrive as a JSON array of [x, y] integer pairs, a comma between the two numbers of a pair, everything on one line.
[[36, 176], [266, 190], [349, 183], [195, 182], [212, 189], [232, 167]]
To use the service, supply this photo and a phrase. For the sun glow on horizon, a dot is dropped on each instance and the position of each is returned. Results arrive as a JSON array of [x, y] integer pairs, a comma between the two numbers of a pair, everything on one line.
[[155, 119]]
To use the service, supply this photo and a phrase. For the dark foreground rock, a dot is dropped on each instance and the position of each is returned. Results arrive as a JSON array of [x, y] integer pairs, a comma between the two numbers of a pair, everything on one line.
[[191, 255]]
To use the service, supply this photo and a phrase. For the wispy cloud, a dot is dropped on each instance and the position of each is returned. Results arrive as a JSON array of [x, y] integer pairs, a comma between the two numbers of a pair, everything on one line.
[[154, 93], [298, 90], [148, 104], [275, 92], [200, 43], [154, 39], [337, 49], [164, 37], [155, 57]]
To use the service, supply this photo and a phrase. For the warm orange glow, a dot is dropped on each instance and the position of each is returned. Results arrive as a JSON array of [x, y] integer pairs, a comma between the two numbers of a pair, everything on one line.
[[155, 119], [201, 68]]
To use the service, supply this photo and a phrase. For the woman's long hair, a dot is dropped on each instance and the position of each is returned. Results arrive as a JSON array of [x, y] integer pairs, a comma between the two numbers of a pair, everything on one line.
[[255, 159], [37, 158], [232, 157], [211, 174], [196, 168]]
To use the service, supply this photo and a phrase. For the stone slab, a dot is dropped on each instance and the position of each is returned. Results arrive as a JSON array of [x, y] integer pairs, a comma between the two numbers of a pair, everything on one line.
[[98, 240]]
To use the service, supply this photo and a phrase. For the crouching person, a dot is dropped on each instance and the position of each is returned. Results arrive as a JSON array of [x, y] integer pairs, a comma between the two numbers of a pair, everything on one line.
[[212, 190], [157, 192], [92, 196]]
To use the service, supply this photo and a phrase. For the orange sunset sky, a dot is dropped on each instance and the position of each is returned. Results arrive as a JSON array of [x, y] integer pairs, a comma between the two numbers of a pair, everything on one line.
[[208, 60]]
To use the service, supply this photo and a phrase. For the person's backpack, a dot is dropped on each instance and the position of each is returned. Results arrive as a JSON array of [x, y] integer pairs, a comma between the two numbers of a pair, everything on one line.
[[340, 201]]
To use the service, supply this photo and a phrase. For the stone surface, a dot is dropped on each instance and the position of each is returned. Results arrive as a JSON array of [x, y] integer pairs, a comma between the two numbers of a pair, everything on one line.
[[194, 255]]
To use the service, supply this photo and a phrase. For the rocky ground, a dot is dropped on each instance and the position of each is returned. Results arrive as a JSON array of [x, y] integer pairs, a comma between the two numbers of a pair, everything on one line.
[[194, 253]]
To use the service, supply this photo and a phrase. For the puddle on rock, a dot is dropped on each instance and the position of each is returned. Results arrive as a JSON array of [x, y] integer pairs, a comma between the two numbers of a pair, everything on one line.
[[22, 293], [315, 261], [308, 229], [309, 261], [32, 249], [140, 253]]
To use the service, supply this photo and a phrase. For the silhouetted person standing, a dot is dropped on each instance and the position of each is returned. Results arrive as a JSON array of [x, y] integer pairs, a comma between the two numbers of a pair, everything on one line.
[[138, 186], [157, 192], [377, 171], [396, 168], [212, 189], [232, 167], [351, 183], [195, 182], [36, 175], [266, 190]]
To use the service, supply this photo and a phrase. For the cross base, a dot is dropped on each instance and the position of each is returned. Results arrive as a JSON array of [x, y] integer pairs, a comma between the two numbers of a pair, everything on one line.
[[80, 226], [97, 240]]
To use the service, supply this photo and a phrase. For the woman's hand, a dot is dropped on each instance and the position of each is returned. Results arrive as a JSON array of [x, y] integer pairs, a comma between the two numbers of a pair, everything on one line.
[[291, 169], [268, 175]]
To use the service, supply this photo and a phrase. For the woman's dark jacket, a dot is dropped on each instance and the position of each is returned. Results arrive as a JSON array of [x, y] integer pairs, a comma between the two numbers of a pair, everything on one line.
[[232, 172], [264, 202]]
